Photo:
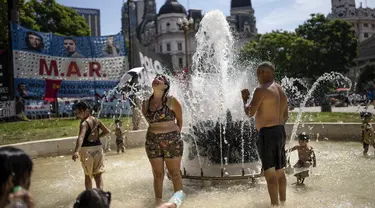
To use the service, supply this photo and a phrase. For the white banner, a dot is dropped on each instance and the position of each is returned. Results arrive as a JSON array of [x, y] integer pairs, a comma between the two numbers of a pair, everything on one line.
[[7, 109], [37, 107], [29, 65]]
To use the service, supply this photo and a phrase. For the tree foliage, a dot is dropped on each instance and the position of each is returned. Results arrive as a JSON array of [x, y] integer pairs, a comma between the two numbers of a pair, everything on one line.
[[319, 45], [366, 79], [289, 52], [44, 16], [49, 16], [336, 40]]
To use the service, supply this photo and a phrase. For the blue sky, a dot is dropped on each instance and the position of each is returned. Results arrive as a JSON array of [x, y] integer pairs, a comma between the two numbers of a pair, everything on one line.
[[270, 14]]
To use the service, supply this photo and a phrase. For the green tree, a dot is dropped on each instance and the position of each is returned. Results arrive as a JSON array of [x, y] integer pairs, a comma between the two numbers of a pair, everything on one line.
[[367, 78], [286, 50], [319, 45], [44, 16], [49, 16], [336, 43]]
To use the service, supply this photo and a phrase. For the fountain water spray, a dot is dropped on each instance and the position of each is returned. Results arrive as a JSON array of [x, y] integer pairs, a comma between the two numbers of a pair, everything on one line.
[[324, 77]]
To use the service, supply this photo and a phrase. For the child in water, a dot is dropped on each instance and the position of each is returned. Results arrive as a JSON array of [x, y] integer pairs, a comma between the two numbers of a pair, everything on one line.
[[119, 136], [306, 156], [367, 132]]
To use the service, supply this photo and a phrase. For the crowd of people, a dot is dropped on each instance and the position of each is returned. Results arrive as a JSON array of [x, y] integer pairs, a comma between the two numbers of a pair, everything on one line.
[[163, 145]]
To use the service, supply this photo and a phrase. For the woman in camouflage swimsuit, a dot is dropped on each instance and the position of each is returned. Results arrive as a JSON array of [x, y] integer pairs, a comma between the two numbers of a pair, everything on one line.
[[163, 139]]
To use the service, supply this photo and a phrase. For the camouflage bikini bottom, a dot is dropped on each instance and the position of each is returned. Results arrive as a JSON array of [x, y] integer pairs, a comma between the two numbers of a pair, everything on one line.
[[164, 145]]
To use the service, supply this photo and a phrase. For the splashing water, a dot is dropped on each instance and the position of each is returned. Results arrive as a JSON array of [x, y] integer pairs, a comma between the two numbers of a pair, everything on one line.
[[325, 77], [212, 102]]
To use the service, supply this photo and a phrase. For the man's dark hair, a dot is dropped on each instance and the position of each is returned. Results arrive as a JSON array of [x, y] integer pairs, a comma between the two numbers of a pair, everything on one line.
[[70, 38], [29, 46]]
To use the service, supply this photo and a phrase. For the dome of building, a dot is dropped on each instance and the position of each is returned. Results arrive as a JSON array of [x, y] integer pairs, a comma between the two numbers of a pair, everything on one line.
[[240, 3], [172, 6]]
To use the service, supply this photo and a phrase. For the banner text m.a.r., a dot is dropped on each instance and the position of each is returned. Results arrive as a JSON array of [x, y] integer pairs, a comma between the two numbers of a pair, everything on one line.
[[69, 69]]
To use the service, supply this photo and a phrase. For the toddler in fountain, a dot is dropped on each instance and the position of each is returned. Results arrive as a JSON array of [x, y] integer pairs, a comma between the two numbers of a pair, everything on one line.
[[306, 154], [367, 132], [119, 136]]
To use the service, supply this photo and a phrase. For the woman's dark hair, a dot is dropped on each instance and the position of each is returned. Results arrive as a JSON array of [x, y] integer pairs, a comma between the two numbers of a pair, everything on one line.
[[16, 163], [93, 198], [82, 106], [166, 82]]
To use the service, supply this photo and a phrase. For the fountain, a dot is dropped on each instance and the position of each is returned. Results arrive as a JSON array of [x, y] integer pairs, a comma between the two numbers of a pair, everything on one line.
[[219, 144]]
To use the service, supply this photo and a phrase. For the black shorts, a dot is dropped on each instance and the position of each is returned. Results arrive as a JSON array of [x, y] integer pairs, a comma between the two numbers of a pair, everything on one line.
[[271, 147]]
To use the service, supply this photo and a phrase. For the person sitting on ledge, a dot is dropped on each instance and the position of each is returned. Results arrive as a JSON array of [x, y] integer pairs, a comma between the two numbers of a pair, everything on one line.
[[367, 132]]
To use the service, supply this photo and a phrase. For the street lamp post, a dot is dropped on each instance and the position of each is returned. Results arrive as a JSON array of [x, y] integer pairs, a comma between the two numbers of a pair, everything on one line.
[[131, 5], [186, 25]]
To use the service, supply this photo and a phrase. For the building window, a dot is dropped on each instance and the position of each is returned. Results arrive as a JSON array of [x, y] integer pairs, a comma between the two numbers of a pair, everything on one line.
[[180, 62], [161, 48], [365, 25], [179, 46], [168, 47], [373, 25], [365, 35], [168, 26]]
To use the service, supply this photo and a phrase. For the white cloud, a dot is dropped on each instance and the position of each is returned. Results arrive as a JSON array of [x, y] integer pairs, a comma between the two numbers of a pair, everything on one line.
[[291, 15], [288, 15]]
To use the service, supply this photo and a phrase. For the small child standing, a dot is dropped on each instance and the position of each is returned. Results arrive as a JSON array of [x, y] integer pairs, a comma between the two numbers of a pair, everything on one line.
[[306, 156], [119, 136], [367, 137]]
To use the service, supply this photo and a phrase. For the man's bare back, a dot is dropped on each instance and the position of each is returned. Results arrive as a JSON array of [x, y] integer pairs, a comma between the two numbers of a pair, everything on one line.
[[272, 107], [269, 106]]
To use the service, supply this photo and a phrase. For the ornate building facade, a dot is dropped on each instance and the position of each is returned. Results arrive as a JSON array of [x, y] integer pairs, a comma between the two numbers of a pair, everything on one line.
[[362, 18], [159, 31]]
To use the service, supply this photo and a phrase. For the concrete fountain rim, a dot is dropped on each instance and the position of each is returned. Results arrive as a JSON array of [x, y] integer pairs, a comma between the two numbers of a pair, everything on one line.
[[331, 131]]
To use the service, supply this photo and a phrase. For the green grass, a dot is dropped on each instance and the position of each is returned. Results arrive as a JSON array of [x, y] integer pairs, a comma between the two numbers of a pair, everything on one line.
[[15, 132], [24, 131], [327, 117]]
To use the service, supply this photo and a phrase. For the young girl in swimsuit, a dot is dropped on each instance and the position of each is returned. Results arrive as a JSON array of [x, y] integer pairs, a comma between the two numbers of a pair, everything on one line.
[[89, 147], [163, 139], [306, 154]]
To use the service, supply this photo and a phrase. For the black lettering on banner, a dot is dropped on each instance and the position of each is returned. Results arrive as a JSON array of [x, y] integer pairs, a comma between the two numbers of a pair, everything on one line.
[[7, 109]]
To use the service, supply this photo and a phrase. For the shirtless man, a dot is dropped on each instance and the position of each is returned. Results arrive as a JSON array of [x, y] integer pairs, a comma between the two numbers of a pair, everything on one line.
[[269, 105]]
